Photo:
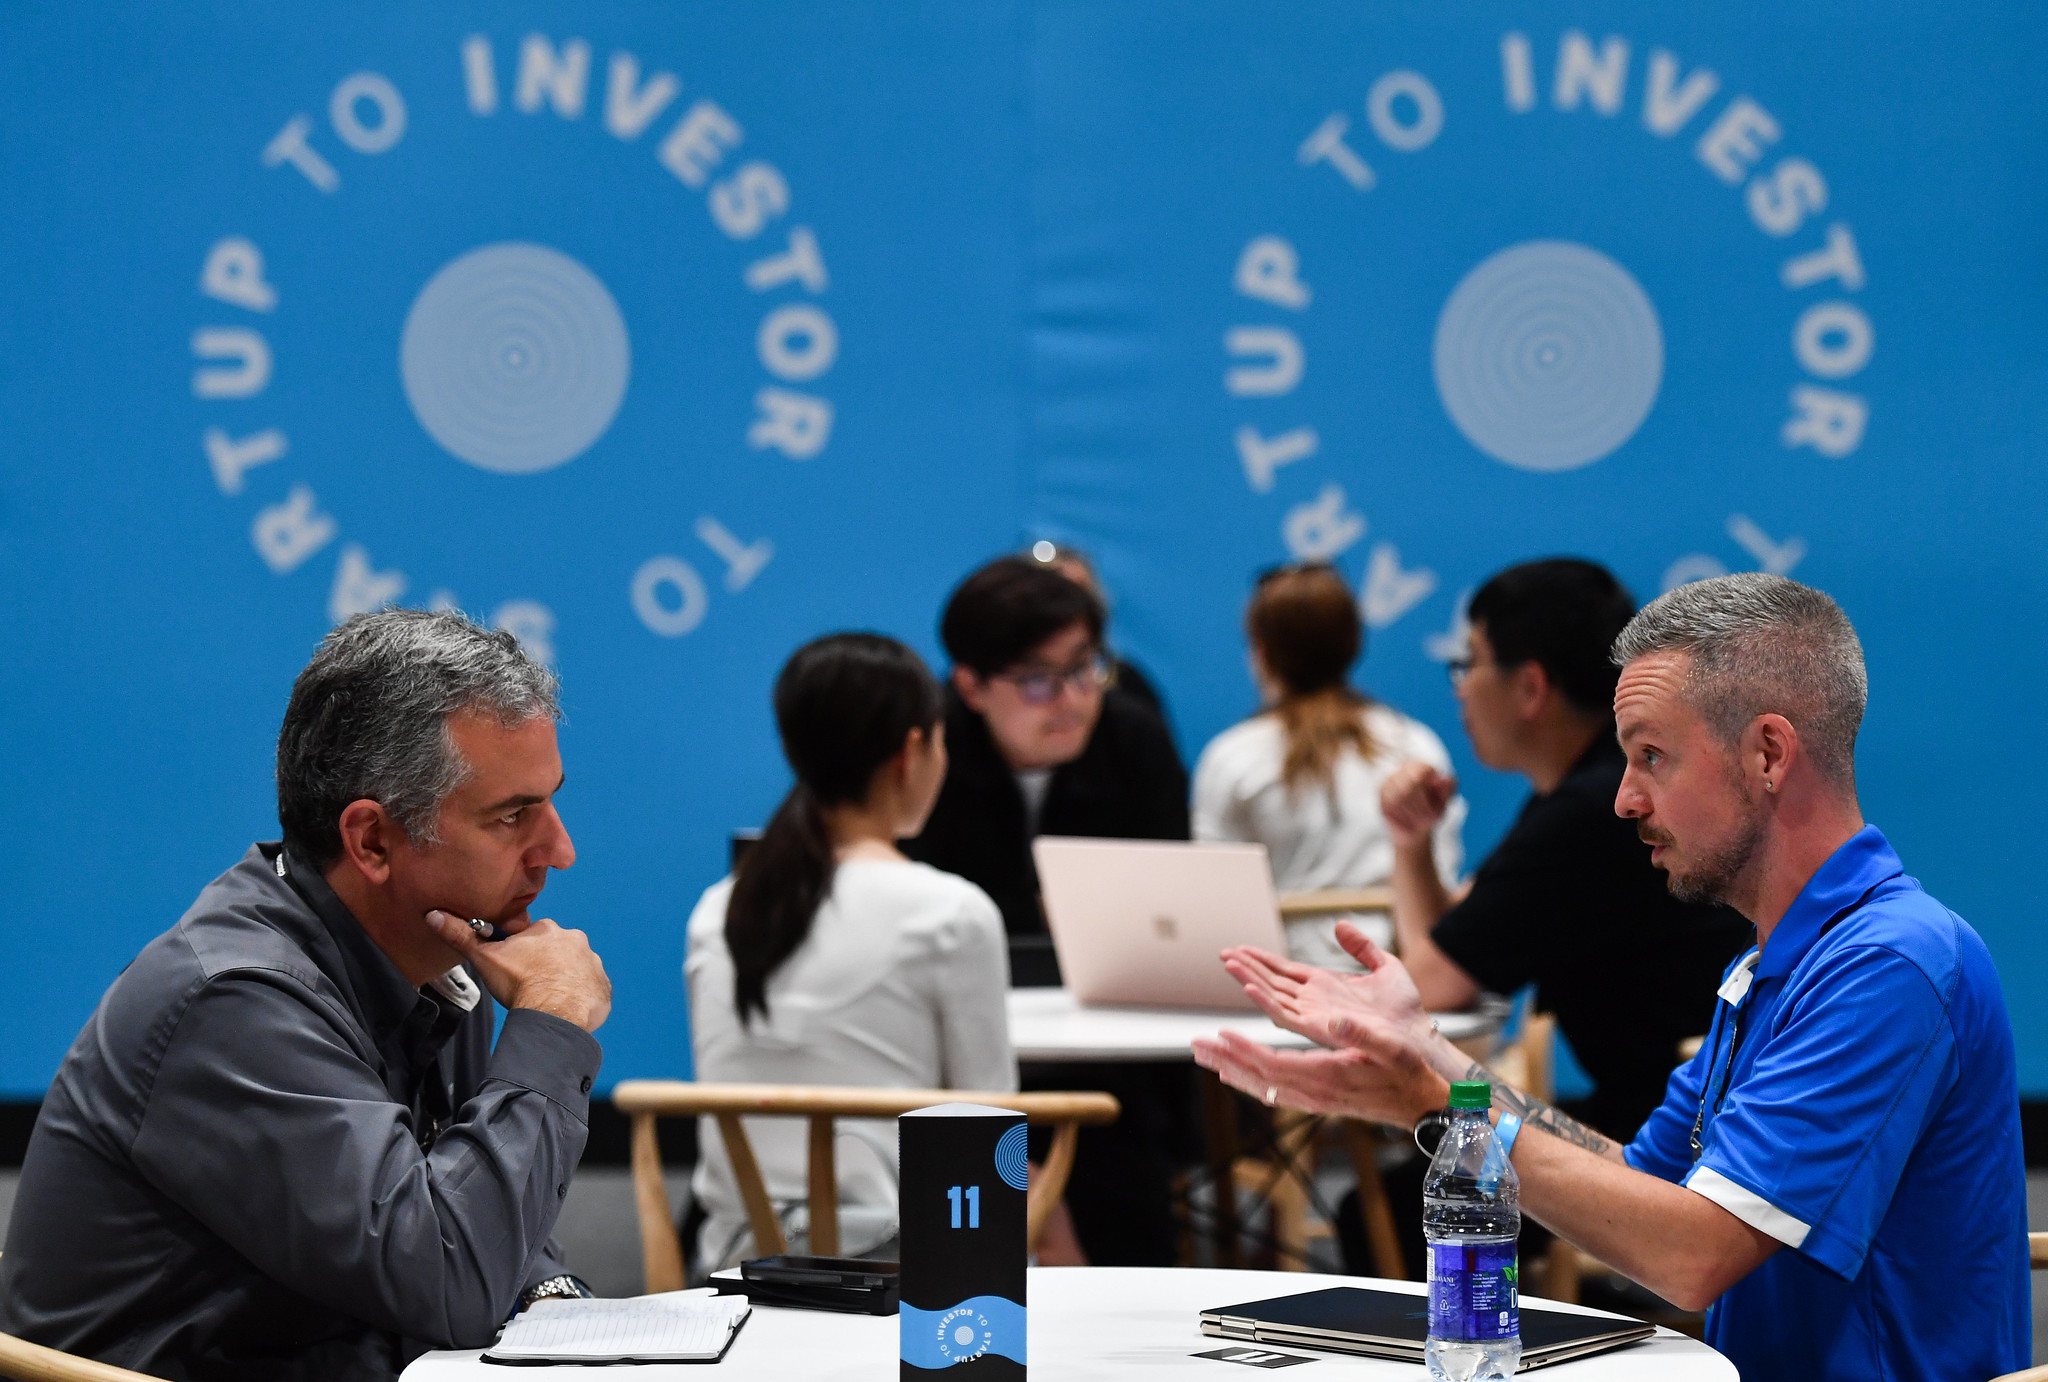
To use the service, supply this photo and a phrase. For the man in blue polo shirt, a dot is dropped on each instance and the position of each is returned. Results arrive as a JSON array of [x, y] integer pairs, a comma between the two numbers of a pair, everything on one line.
[[1837, 1176]]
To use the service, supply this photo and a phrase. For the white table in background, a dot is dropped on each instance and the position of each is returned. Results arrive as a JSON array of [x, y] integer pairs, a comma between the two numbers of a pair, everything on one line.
[[1092, 1324], [1050, 1025]]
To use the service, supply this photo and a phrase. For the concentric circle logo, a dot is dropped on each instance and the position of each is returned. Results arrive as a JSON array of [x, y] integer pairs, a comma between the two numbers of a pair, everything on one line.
[[1548, 356], [1013, 1162], [515, 358]]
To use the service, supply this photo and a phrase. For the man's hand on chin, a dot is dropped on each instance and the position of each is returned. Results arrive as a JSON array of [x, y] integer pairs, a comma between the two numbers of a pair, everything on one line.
[[537, 965]]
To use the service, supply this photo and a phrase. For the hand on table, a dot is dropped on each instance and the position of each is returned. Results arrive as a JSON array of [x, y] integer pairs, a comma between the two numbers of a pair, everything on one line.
[[1329, 1008], [537, 965], [1414, 798]]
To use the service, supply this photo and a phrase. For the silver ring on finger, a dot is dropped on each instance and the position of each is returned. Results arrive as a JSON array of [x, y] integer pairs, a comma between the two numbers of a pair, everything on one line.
[[1272, 1094]]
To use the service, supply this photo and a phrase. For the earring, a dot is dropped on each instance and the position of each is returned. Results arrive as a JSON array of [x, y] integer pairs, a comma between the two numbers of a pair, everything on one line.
[[1768, 786]]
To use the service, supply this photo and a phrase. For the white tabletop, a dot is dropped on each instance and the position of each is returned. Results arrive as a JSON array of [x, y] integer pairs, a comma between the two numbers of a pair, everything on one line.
[[1047, 1024], [1095, 1324]]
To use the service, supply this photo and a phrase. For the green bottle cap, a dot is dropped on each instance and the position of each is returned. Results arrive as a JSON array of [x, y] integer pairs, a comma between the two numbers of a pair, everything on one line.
[[1471, 1094]]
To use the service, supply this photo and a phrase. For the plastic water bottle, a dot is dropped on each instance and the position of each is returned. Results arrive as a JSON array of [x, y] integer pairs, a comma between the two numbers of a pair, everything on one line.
[[1472, 1217]]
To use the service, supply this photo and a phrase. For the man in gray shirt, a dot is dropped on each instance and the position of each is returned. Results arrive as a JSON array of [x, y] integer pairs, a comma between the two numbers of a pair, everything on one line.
[[284, 1146]]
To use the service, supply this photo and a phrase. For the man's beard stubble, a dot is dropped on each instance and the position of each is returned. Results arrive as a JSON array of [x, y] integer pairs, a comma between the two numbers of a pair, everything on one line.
[[1713, 878]]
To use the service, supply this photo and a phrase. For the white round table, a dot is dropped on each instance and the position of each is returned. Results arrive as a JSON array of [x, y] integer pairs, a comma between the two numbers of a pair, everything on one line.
[[1048, 1024], [1098, 1324]]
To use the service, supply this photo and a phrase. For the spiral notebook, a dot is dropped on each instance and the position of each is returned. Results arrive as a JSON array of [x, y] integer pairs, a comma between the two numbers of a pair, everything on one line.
[[673, 1327]]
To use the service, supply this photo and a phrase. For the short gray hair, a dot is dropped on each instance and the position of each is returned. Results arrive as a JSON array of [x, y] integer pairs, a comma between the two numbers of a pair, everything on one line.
[[369, 715], [1762, 644]]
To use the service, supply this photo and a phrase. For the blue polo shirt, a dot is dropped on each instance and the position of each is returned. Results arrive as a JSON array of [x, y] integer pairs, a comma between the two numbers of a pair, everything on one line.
[[1861, 1107]]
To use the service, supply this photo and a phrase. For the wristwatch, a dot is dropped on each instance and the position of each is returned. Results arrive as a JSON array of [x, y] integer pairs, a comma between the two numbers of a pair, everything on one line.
[[1433, 1124], [563, 1285]]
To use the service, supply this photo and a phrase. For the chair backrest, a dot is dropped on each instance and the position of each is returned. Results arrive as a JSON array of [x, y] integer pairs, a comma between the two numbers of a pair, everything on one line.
[[1529, 1062], [1327, 901], [27, 1362], [645, 1101]]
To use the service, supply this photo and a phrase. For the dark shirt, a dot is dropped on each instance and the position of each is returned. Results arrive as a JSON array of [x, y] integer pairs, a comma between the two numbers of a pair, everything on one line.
[[269, 1156], [1129, 677], [1127, 784], [1568, 901]]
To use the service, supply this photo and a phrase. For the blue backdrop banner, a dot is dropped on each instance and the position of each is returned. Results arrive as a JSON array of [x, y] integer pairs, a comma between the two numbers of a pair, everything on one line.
[[667, 338]]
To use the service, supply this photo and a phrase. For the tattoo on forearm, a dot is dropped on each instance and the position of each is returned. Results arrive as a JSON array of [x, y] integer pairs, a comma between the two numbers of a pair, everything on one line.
[[1539, 1114]]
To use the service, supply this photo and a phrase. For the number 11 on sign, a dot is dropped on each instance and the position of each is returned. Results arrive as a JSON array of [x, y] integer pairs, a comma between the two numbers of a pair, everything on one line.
[[973, 1198]]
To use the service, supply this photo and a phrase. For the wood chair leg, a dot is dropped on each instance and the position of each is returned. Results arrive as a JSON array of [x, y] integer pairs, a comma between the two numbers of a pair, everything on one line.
[[661, 1249], [768, 1239], [824, 1189], [1294, 1143], [1561, 1273], [1219, 1108], [1050, 1186], [1377, 1215]]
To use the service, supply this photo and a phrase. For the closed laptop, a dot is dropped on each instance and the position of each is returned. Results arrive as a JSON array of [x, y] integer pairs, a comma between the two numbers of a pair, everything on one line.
[[1394, 1324]]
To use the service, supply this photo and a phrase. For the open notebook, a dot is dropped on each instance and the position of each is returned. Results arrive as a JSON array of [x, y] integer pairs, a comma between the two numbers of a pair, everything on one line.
[[674, 1327]]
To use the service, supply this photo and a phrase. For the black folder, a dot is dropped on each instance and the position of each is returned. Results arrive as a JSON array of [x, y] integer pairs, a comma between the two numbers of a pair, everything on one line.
[[1393, 1324]]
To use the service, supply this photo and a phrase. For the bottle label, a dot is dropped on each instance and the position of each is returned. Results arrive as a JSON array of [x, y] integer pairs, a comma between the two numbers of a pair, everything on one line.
[[1472, 1291]]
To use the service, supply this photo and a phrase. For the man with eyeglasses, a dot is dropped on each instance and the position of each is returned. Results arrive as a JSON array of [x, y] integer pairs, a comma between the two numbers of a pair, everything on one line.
[[1041, 743], [1568, 900]]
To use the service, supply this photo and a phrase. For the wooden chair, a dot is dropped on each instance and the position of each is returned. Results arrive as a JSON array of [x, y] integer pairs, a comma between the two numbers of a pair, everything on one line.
[[27, 1362], [1278, 1180], [645, 1101], [1530, 1065], [1326, 901]]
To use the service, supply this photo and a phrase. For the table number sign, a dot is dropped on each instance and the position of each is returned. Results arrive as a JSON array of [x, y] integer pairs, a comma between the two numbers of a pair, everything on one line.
[[964, 1177]]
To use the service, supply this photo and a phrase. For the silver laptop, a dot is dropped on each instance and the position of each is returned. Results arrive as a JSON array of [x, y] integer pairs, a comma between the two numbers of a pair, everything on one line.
[[1141, 921], [1391, 1324]]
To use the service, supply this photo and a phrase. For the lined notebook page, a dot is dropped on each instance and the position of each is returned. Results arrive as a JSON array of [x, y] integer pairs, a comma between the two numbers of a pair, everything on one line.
[[677, 1325]]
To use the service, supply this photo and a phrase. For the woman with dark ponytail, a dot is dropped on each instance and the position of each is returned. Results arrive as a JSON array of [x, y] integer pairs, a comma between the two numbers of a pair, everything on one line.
[[1303, 776], [831, 958]]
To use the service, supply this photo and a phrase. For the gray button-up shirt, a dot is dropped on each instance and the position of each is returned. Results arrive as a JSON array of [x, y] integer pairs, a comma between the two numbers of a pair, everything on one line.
[[269, 1156]]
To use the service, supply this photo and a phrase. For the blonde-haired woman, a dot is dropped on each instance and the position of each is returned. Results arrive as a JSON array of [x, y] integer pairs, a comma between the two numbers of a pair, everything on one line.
[[1303, 776]]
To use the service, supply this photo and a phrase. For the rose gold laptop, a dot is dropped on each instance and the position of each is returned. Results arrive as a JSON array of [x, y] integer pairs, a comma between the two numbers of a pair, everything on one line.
[[1141, 921]]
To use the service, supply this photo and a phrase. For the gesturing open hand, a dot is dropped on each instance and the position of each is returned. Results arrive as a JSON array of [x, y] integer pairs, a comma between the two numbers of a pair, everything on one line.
[[1386, 1082], [1332, 1009]]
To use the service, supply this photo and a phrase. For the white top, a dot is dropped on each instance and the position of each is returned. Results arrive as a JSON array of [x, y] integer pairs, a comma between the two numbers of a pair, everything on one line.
[[1036, 785], [900, 985], [1102, 1324], [1317, 837]]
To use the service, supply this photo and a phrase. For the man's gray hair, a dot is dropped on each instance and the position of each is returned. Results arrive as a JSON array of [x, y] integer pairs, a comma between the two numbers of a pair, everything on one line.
[[369, 716], [1761, 644]]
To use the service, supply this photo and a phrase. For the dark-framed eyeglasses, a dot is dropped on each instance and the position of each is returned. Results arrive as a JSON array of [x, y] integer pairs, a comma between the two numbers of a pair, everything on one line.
[[1042, 687]]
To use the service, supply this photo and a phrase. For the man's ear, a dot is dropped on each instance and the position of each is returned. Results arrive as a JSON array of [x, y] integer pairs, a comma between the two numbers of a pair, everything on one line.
[[367, 835], [972, 689], [1771, 748], [1529, 686]]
